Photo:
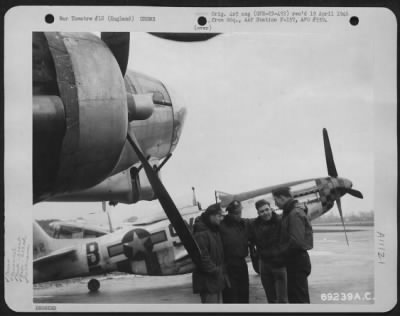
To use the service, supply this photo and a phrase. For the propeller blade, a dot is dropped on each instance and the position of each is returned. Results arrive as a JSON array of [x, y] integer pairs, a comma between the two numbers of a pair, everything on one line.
[[339, 205], [355, 193], [330, 163], [186, 37], [118, 43], [168, 205]]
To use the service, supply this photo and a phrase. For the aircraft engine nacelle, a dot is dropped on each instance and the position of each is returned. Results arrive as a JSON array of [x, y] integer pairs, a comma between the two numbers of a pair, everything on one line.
[[80, 113], [85, 103], [129, 186], [156, 117]]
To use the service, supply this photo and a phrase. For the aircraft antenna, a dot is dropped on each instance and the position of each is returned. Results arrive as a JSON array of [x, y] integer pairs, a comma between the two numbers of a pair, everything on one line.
[[194, 201], [105, 209]]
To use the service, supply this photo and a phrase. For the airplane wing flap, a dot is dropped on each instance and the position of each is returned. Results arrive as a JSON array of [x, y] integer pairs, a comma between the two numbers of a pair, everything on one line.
[[55, 255]]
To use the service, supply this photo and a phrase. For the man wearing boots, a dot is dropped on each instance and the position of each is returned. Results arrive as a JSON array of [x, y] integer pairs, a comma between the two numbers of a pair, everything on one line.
[[296, 239], [209, 279], [234, 234], [265, 233]]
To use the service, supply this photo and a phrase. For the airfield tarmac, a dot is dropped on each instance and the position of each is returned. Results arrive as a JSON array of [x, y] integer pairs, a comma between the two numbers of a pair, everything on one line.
[[346, 272]]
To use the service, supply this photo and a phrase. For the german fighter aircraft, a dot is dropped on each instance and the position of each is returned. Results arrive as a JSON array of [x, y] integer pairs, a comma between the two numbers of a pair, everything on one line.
[[154, 247]]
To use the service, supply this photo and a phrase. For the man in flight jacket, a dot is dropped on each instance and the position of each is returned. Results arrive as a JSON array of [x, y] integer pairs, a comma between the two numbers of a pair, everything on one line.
[[210, 278], [296, 239]]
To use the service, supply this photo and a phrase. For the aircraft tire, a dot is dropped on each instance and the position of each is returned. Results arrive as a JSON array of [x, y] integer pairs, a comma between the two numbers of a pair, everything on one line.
[[93, 285]]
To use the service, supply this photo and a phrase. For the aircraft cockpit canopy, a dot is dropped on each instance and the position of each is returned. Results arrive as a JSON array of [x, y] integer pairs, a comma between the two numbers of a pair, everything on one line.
[[70, 231]]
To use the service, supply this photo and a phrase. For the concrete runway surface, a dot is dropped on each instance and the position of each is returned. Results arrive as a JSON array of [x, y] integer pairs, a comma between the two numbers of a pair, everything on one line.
[[340, 274]]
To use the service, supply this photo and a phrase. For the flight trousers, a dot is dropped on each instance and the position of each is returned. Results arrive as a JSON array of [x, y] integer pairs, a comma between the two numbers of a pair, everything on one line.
[[238, 290], [298, 270], [274, 281]]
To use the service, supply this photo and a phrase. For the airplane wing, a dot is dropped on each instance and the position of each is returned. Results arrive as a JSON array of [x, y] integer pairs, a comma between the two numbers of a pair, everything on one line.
[[226, 198], [185, 37], [144, 221], [55, 255]]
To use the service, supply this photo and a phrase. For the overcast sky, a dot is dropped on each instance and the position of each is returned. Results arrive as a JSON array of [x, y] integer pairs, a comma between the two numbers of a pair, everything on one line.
[[256, 105]]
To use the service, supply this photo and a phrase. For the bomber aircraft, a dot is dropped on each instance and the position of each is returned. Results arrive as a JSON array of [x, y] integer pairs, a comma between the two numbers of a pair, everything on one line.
[[154, 247], [100, 131], [85, 102]]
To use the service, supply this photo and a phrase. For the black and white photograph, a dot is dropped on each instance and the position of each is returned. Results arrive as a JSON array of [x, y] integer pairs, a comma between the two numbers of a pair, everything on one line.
[[244, 156]]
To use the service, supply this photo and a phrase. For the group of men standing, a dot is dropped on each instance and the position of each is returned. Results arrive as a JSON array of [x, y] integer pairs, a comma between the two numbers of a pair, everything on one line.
[[281, 242]]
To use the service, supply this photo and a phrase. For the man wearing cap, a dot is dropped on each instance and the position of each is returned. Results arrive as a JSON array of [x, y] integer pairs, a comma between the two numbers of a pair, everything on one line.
[[296, 239], [265, 234], [210, 278], [234, 234]]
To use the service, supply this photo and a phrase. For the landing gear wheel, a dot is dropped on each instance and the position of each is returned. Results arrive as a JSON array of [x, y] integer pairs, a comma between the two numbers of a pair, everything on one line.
[[93, 285]]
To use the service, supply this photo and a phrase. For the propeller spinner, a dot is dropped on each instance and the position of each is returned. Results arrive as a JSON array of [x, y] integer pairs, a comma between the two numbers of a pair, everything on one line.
[[332, 172]]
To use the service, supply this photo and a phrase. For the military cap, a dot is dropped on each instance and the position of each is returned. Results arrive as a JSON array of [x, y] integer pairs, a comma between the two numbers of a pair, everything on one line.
[[234, 207]]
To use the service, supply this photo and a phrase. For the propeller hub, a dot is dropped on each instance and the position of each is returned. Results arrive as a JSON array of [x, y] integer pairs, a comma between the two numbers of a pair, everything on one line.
[[331, 189], [347, 183], [341, 185], [347, 187]]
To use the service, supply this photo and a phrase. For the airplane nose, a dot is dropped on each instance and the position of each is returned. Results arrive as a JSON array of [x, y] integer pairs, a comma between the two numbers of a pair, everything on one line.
[[179, 120], [179, 112], [347, 184], [342, 185]]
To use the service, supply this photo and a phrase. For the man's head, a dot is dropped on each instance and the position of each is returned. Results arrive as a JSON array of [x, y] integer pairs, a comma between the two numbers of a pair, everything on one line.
[[214, 214], [281, 196], [234, 209], [264, 209]]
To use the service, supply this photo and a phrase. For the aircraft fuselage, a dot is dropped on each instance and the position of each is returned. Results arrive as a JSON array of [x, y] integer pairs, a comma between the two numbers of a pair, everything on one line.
[[155, 248]]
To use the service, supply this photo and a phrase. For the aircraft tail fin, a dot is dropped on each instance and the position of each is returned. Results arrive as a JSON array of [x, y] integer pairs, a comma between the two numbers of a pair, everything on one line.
[[224, 198], [42, 242]]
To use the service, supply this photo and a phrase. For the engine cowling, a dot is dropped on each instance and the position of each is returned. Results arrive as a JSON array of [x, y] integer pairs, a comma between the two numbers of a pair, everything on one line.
[[157, 117], [83, 109], [87, 91]]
